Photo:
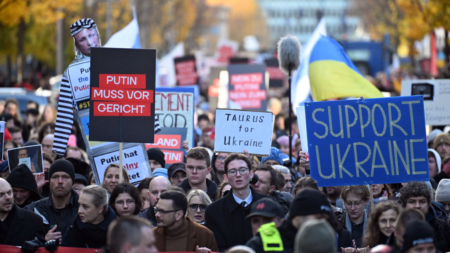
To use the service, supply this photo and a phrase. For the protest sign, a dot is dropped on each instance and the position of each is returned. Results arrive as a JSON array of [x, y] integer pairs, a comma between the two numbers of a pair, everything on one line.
[[82, 118], [436, 96], [225, 50], [2, 136], [134, 157], [79, 76], [122, 95], [170, 141], [28, 155], [247, 86], [371, 141], [214, 86], [175, 108], [276, 77], [186, 71], [237, 130]]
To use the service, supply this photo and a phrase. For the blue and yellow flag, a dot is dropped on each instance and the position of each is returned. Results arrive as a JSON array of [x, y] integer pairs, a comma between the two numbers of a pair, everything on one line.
[[333, 75]]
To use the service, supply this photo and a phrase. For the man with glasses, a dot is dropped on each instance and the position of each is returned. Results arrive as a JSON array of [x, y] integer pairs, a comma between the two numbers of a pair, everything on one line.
[[177, 232], [198, 166], [60, 209], [354, 218], [226, 217]]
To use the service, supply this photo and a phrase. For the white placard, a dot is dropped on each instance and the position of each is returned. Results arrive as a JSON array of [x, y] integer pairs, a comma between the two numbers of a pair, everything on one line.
[[301, 119], [237, 130], [436, 98], [134, 162], [26, 161], [79, 77]]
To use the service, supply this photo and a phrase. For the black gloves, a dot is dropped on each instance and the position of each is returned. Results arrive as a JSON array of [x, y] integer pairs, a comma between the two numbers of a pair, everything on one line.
[[31, 246]]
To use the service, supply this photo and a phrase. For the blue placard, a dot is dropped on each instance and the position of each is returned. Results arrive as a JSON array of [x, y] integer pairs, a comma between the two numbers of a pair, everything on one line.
[[371, 141]]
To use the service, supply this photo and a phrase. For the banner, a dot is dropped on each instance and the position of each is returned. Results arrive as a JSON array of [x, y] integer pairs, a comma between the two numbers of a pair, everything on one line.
[[436, 96], [186, 71], [276, 76], [237, 130], [371, 141], [134, 160], [14, 249], [170, 141], [175, 108], [247, 86], [122, 95]]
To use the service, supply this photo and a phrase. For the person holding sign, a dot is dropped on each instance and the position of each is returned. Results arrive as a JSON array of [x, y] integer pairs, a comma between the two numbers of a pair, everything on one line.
[[75, 83]]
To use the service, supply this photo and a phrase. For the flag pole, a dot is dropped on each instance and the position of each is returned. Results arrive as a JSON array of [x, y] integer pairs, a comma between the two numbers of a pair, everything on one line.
[[290, 117]]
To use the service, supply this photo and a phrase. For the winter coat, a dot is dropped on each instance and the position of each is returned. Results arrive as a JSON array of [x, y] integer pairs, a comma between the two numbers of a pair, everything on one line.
[[226, 219], [211, 191], [86, 235], [149, 214], [441, 230]]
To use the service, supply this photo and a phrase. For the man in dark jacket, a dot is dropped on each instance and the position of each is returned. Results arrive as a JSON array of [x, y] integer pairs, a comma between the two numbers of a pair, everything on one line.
[[309, 204], [60, 209], [157, 186], [267, 183], [417, 195], [226, 217], [24, 186], [198, 166], [17, 225]]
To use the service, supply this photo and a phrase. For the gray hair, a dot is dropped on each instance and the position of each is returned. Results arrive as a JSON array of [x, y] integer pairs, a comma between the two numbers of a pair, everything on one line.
[[281, 168]]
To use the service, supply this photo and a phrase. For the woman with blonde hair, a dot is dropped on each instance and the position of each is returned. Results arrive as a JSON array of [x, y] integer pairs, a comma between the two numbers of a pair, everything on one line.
[[198, 200], [111, 178], [91, 224]]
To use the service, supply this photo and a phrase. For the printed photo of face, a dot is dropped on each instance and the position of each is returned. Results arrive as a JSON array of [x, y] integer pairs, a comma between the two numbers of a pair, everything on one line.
[[85, 40]]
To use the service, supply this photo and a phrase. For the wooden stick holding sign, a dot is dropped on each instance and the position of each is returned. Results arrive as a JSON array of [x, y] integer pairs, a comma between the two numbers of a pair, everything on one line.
[[120, 162], [371, 198]]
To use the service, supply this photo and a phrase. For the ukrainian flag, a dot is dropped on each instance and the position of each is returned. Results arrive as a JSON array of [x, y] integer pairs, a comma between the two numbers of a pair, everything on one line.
[[333, 75]]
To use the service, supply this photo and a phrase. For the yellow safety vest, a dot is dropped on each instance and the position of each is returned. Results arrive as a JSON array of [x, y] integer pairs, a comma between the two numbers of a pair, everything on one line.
[[270, 237]]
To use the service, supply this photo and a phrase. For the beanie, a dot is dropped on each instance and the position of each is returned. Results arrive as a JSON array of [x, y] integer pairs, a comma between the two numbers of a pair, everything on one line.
[[157, 155], [309, 201], [441, 138], [160, 172], [275, 154], [443, 191], [416, 233], [4, 166], [85, 23], [283, 140], [62, 166], [315, 236], [433, 134], [81, 179], [22, 177]]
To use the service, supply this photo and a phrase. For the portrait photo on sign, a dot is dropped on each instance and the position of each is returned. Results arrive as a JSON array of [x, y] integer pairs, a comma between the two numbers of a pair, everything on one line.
[[31, 156]]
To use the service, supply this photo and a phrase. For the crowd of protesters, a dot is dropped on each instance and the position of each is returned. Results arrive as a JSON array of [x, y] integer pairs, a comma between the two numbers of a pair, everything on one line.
[[212, 201]]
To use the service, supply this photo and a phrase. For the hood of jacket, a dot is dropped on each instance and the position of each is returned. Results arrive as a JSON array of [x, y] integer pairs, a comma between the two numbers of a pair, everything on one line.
[[22, 177], [437, 157]]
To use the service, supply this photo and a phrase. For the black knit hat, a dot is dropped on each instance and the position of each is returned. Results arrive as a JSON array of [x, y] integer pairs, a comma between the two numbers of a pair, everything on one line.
[[62, 166], [309, 201], [416, 233], [81, 179], [156, 154], [22, 177]]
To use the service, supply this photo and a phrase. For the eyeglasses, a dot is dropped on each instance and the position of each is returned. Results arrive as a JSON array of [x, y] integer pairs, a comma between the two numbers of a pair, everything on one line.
[[220, 158], [128, 201], [195, 207], [355, 204], [163, 211], [242, 171], [191, 168]]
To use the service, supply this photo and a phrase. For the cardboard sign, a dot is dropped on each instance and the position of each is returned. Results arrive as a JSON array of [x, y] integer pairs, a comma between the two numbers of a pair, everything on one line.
[[79, 77], [247, 86], [28, 155], [134, 160], [122, 95], [175, 108], [237, 130], [436, 96], [371, 141], [170, 141], [2, 137], [186, 71], [276, 76]]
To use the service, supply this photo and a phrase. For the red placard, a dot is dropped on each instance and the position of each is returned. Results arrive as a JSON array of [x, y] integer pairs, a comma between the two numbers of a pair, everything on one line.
[[122, 81], [121, 109], [171, 156], [122, 95], [167, 141]]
